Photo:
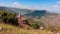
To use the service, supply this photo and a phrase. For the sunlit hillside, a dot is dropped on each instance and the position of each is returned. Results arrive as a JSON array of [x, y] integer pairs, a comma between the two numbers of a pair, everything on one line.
[[35, 22], [9, 29]]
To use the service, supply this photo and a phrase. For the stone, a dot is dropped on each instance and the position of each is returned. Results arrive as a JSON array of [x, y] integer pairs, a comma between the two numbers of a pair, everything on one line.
[[1, 28], [41, 28]]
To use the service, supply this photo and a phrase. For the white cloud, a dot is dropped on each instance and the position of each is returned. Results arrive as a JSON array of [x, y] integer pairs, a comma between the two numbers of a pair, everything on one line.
[[3, 4], [19, 5], [58, 2], [54, 8], [16, 4]]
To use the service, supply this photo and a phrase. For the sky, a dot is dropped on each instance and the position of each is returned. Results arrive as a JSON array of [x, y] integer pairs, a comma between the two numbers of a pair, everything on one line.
[[51, 5]]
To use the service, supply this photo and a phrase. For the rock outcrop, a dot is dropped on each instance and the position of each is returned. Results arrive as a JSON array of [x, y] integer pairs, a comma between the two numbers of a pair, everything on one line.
[[22, 21]]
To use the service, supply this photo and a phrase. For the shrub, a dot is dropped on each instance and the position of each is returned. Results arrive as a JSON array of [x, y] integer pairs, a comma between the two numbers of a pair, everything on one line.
[[35, 24], [8, 17]]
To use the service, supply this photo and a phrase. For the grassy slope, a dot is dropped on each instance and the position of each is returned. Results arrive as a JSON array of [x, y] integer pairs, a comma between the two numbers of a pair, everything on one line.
[[9, 29]]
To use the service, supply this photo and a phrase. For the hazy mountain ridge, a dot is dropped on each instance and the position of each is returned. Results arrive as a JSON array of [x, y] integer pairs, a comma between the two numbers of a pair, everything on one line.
[[28, 12], [15, 10], [21, 11], [40, 13], [43, 15]]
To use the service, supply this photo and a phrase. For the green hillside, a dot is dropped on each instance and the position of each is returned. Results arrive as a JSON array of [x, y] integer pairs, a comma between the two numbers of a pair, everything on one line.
[[35, 18]]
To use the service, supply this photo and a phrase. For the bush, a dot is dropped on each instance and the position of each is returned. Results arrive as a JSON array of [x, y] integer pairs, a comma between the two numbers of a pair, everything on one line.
[[8, 17], [35, 24]]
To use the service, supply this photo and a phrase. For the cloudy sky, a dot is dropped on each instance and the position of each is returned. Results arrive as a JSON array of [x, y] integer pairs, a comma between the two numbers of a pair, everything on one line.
[[52, 5]]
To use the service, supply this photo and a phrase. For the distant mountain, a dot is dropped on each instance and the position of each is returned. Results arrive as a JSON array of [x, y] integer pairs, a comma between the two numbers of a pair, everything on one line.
[[6, 9], [16, 10], [28, 12], [38, 15], [21, 11]]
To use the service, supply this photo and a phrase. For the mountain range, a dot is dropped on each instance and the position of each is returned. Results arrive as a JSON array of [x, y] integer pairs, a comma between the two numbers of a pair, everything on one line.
[[44, 16], [28, 12]]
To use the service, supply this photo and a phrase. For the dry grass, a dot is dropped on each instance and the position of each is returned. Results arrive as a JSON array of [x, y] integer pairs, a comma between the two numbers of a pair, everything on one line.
[[9, 29]]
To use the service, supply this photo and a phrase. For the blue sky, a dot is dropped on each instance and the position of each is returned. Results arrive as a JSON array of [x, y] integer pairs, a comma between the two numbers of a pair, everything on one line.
[[52, 5], [31, 2]]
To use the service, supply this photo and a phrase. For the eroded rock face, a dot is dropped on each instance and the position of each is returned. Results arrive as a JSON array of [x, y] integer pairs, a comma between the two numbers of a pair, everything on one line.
[[52, 20], [22, 21]]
